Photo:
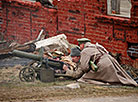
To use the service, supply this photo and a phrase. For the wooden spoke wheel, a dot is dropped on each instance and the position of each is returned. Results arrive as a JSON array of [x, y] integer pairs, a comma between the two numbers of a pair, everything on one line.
[[27, 74]]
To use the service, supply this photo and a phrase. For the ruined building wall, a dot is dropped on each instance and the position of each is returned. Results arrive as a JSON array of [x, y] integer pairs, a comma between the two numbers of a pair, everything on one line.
[[22, 21], [88, 18], [0, 16]]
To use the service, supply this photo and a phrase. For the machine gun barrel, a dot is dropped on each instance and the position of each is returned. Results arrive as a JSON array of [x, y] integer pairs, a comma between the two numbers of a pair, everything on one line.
[[48, 62], [26, 55]]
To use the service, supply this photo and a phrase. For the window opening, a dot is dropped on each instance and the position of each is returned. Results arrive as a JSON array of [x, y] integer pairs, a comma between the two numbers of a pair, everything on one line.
[[119, 8]]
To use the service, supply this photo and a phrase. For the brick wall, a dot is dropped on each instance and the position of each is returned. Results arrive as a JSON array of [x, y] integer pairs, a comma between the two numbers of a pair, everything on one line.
[[22, 21], [134, 9], [0, 15], [79, 18]]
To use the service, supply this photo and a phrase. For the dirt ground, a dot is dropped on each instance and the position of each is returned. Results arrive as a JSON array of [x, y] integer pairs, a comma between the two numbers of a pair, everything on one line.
[[13, 90], [103, 99]]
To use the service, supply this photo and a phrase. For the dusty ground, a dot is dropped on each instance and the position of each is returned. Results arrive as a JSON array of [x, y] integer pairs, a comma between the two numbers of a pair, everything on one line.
[[103, 99], [13, 90]]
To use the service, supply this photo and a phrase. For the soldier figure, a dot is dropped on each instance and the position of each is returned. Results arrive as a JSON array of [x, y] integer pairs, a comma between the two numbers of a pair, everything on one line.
[[109, 71]]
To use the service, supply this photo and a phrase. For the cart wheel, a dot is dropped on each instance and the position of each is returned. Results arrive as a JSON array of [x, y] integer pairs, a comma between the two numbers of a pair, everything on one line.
[[27, 74]]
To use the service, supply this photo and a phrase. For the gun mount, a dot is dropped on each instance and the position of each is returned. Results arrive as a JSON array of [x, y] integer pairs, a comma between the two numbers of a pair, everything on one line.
[[43, 70]]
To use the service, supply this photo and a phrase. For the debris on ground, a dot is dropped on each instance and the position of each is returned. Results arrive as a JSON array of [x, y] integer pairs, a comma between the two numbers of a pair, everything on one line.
[[56, 47], [133, 72], [73, 85]]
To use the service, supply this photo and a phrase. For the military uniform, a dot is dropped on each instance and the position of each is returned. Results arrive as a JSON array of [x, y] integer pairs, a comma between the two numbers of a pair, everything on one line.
[[109, 71]]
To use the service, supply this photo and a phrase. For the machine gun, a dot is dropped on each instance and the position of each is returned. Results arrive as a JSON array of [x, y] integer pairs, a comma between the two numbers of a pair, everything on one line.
[[44, 69]]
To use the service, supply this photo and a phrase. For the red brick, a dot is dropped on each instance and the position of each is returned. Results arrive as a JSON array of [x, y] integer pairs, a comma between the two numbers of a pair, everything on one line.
[[99, 26]]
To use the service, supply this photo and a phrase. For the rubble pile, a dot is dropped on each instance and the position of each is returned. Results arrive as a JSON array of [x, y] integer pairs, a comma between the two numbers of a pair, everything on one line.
[[56, 47], [133, 72]]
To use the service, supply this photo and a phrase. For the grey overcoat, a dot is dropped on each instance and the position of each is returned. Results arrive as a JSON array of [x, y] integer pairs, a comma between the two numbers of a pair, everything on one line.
[[109, 71]]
